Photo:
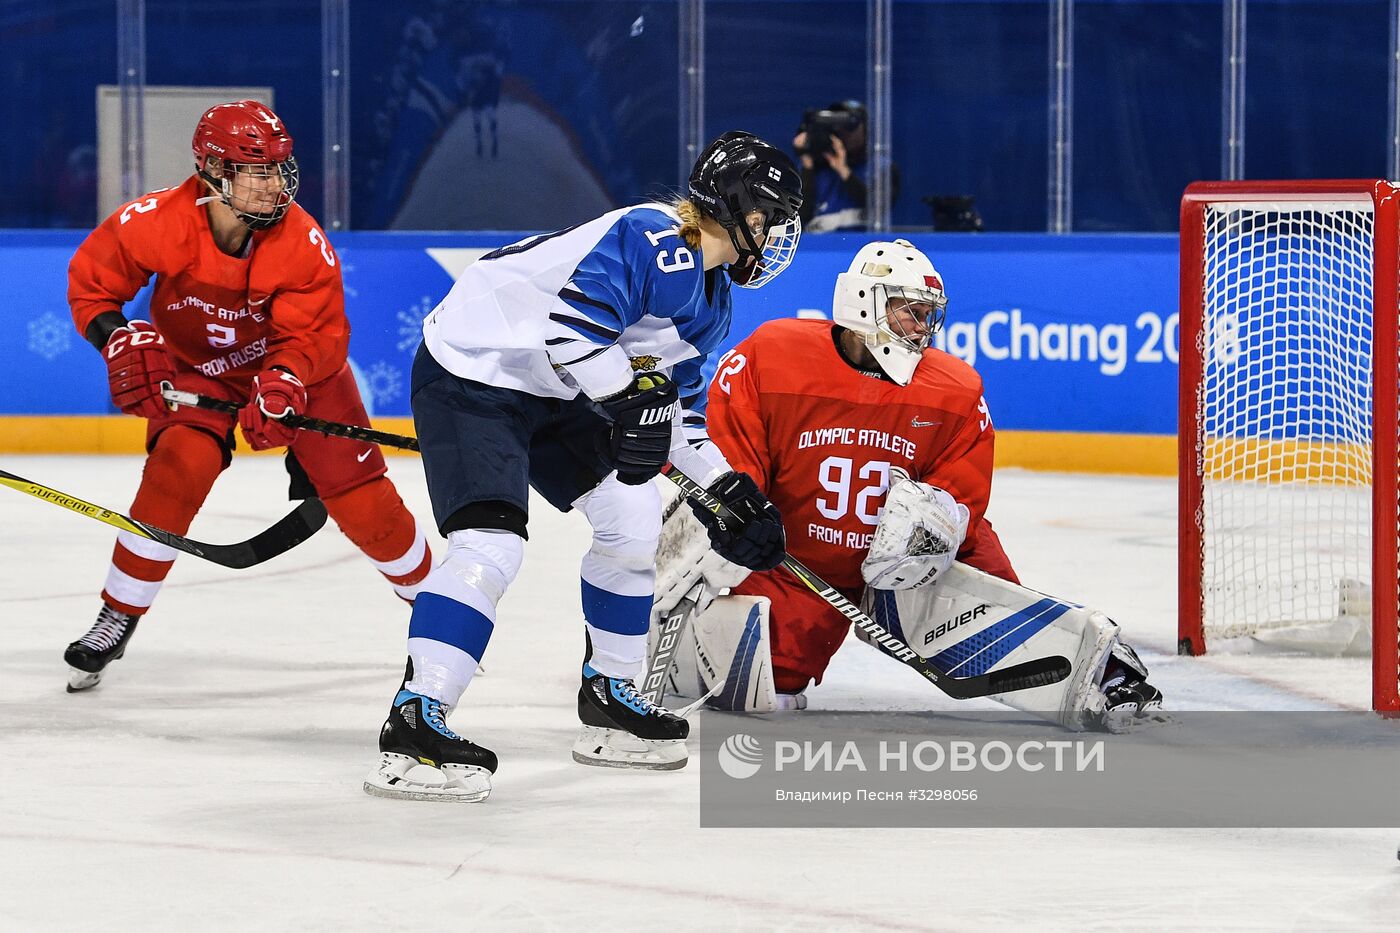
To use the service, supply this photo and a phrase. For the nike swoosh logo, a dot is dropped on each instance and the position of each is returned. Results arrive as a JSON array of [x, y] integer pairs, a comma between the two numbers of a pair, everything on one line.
[[923, 424], [365, 456]]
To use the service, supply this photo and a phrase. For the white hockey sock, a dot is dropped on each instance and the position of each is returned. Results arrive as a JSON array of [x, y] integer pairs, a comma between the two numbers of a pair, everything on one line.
[[617, 655]]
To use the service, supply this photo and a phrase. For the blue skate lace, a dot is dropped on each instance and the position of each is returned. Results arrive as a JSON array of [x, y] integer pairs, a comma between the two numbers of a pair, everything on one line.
[[437, 718], [432, 711], [626, 693]]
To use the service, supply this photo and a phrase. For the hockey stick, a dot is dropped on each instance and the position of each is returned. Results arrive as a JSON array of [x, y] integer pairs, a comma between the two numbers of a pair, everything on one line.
[[668, 632], [176, 397], [295, 527], [1038, 673], [668, 639]]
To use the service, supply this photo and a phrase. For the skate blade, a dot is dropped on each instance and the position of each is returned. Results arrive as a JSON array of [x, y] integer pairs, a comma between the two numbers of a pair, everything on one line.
[[1121, 721], [405, 778], [78, 681], [616, 748]]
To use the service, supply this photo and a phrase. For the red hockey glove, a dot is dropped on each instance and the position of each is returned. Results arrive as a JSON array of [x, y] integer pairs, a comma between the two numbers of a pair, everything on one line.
[[276, 394], [137, 363]]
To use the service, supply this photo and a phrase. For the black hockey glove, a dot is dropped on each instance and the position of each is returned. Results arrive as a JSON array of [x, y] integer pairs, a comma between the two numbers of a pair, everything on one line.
[[754, 537], [640, 443]]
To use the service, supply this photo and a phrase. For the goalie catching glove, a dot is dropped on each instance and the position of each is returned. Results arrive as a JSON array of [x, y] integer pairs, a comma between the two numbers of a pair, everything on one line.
[[918, 537], [753, 538], [640, 442]]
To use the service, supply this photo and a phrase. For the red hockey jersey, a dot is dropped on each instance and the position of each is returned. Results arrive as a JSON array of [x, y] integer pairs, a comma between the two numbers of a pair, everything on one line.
[[819, 438], [281, 303]]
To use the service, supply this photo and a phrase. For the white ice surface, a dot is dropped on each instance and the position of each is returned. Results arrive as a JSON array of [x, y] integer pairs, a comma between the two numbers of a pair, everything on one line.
[[212, 782]]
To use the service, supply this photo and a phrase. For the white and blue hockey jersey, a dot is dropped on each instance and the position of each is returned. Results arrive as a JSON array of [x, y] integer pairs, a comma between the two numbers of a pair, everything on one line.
[[582, 309]]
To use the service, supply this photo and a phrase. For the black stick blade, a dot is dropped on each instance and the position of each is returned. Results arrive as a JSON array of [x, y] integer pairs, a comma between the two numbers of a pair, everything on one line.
[[293, 528]]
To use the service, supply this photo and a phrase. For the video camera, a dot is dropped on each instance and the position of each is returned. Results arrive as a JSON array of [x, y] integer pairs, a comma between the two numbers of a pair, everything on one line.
[[821, 124]]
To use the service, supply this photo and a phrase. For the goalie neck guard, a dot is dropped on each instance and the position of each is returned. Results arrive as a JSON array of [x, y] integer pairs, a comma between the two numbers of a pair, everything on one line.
[[736, 175], [893, 296]]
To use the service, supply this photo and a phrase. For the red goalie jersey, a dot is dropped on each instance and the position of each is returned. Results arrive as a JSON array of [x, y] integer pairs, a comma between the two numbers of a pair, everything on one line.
[[216, 311], [819, 438]]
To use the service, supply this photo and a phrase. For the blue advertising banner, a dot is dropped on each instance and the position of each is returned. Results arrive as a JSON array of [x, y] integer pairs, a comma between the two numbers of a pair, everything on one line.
[[1071, 333]]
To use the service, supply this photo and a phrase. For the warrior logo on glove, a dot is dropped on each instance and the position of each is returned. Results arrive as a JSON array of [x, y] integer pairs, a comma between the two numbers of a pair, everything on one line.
[[640, 442]]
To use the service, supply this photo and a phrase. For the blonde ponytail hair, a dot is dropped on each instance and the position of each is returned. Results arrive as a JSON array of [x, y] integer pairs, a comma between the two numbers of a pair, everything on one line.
[[690, 221]]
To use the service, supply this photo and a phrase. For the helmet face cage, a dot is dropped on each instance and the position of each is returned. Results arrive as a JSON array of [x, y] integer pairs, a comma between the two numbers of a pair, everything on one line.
[[779, 246], [259, 193], [909, 315], [257, 176], [737, 175], [893, 297]]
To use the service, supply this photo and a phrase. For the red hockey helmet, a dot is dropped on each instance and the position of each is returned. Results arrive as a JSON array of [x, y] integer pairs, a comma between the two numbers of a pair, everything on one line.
[[258, 176]]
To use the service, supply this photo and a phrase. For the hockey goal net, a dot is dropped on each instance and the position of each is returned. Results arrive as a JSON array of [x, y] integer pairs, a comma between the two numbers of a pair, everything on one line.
[[1288, 420]]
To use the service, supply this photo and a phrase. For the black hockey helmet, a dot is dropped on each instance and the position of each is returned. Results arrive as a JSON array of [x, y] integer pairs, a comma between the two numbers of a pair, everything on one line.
[[737, 174]]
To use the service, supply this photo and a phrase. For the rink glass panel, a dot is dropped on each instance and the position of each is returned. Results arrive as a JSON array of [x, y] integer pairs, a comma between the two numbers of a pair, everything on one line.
[[1146, 121], [53, 57], [970, 117], [767, 62], [528, 115], [1317, 86], [234, 42]]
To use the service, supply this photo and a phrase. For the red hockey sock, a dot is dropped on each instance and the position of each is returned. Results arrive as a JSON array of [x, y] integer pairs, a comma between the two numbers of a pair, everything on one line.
[[374, 517], [179, 472]]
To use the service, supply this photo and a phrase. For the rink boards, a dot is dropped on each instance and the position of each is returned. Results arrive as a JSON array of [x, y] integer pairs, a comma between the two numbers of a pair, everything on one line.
[[1075, 336]]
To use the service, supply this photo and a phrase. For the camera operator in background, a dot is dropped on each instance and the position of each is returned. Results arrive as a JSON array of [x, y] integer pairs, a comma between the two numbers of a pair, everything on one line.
[[831, 144]]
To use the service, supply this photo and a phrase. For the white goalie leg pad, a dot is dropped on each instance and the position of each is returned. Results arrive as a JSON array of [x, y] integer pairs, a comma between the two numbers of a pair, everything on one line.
[[686, 569], [409, 779], [971, 622], [733, 656], [618, 748], [684, 558]]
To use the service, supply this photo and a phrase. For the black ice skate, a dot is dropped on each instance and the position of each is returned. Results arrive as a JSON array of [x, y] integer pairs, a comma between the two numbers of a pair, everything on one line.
[[106, 641], [1129, 700], [623, 729], [421, 759]]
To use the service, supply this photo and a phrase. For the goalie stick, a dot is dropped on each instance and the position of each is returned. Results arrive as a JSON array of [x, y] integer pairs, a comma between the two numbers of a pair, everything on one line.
[[295, 527], [669, 630], [175, 397], [1024, 676]]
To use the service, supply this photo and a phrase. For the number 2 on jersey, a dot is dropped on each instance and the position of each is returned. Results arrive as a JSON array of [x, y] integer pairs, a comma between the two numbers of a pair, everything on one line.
[[140, 207], [835, 476]]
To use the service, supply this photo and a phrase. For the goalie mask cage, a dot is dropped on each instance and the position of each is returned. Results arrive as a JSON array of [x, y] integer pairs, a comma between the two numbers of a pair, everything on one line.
[[1288, 422]]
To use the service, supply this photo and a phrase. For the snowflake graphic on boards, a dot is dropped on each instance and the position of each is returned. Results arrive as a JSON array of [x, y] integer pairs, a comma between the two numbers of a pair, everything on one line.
[[49, 335], [411, 324], [384, 381]]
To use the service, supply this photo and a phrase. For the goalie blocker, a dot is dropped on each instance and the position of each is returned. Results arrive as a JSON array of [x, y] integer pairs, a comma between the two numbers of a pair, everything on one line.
[[966, 623]]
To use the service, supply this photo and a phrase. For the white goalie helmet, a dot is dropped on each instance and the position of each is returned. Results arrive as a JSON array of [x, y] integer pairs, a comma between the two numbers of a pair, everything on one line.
[[893, 296]]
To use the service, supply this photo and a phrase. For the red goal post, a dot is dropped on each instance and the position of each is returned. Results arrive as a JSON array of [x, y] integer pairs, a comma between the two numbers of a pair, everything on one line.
[[1288, 423]]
